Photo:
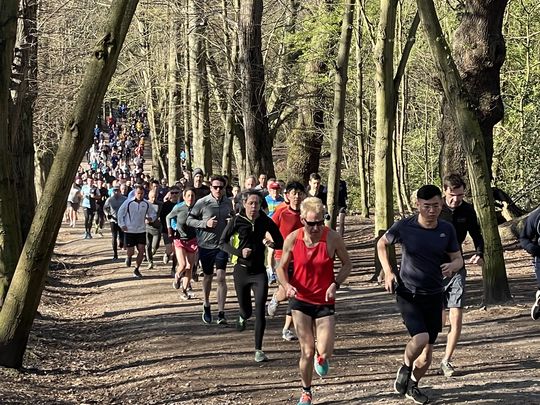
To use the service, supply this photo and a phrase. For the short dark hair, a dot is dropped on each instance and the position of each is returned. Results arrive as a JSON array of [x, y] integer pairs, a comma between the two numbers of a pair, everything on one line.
[[295, 185], [453, 180], [315, 176], [218, 178], [428, 191], [248, 193], [186, 189], [138, 187]]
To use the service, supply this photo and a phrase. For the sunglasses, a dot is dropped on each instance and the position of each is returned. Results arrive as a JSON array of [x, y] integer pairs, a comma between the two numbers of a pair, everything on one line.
[[314, 223], [218, 187]]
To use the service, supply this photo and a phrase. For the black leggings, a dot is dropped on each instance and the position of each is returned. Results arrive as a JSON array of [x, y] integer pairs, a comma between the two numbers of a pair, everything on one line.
[[117, 237], [88, 219], [243, 284], [153, 237]]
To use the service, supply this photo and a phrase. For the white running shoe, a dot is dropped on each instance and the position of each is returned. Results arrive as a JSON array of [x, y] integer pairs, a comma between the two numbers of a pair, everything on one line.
[[272, 307]]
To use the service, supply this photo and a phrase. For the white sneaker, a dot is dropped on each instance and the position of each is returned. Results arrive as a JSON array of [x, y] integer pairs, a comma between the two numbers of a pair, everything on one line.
[[535, 310], [272, 307], [288, 335]]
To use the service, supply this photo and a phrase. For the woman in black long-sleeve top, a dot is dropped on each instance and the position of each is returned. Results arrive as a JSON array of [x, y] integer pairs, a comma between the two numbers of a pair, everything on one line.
[[245, 240]]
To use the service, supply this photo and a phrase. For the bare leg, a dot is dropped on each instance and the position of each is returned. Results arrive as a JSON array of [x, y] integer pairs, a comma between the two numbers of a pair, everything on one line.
[[422, 363], [415, 347], [304, 329], [456, 322], [206, 287], [221, 289], [326, 331], [140, 254]]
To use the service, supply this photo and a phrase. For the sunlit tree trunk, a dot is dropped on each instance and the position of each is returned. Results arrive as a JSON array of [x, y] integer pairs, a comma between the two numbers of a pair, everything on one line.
[[22, 300], [173, 153]]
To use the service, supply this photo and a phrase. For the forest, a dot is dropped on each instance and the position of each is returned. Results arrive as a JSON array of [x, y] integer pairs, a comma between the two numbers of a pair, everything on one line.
[[386, 95]]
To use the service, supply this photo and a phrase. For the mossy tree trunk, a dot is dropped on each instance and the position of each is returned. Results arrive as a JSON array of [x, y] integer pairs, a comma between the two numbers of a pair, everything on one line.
[[24, 294], [496, 289]]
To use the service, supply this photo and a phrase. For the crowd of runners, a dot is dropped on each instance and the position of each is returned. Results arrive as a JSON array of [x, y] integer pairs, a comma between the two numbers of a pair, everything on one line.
[[273, 234]]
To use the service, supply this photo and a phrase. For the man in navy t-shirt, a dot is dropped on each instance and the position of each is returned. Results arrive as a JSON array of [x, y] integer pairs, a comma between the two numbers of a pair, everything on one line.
[[429, 253]]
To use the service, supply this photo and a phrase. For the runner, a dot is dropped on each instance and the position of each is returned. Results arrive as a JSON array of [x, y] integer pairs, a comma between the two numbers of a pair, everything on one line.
[[461, 214], [111, 207], [170, 200], [426, 243], [244, 239], [316, 189], [312, 289], [201, 189], [185, 241], [100, 202], [153, 228], [90, 194], [74, 201], [273, 200], [529, 240], [209, 216], [132, 218], [287, 218]]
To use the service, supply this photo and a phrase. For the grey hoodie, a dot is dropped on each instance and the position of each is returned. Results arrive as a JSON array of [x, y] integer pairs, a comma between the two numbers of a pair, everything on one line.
[[112, 205], [204, 209]]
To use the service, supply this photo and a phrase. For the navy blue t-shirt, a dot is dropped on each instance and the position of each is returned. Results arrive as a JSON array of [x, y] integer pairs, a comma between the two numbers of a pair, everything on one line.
[[423, 251]]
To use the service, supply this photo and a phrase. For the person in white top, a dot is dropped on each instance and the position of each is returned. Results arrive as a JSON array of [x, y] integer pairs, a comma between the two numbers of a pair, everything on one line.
[[133, 216]]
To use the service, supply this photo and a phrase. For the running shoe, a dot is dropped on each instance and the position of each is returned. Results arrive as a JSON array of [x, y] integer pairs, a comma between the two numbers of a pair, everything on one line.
[[207, 314], [115, 257], [321, 365], [260, 356], [415, 394], [447, 368], [273, 279], [272, 307], [165, 258], [184, 295], [128, 261], [240, 324], [535, 310], [137, 273], [288, 335], [176, 282], [402, 379], [221, 320], [150, 266], [305, 398]]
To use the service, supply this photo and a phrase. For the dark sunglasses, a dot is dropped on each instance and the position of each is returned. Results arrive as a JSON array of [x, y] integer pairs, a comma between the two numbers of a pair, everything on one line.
[[314, 223], [218, 187]]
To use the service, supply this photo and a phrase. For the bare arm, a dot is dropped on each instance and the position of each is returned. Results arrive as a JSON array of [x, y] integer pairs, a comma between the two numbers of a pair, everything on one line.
[[389, 276], [456, 264], [346, 266], [286, 257]]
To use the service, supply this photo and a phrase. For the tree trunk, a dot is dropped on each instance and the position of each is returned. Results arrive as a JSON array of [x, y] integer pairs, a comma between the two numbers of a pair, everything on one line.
[[10, 234], [20, 306], [173, 153], [254, 112], [198, 79], [340, 94], [24, 93], [496, 289], [479, 52], [361, 139]]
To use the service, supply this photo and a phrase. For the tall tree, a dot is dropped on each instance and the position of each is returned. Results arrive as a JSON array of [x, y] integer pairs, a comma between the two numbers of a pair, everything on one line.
[[479, 52], [198, 80], [24, 294], [254, 111], [340, 93], [496, 289], [10, 235], [173, 153]]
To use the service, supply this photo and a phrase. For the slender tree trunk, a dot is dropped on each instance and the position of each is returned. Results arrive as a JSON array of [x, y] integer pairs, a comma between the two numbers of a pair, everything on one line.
[[340, 94], [20, 306], [361, 136], [198, 79], [173, 153], [479, 52], [188, 145], [254, 112], [496, 289], [24, 93], [10, 234]]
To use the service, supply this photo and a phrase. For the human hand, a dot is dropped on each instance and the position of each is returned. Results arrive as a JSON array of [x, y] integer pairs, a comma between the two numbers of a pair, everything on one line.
[[476, 259], [447, 269], [331, 292], [390, 282], [246, 252], [291, 291], [212, 222]]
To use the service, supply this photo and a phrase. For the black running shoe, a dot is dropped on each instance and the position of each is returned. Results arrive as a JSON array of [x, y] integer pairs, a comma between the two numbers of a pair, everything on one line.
[[137, 273], [402, 379], [128, 261], [207, 314], [221, 320], [415, 394]]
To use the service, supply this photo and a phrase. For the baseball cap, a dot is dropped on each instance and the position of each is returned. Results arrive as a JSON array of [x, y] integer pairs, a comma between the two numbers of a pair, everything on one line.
[[274, 186]]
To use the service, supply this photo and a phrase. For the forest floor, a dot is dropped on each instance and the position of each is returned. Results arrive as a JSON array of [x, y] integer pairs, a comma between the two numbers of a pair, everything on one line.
[[103, 337]]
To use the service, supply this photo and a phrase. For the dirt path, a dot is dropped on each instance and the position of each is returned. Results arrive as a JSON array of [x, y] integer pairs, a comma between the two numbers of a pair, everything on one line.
[[106, 338]]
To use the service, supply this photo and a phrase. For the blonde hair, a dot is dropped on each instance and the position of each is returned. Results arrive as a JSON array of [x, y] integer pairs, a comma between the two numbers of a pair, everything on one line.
[[311, 204]]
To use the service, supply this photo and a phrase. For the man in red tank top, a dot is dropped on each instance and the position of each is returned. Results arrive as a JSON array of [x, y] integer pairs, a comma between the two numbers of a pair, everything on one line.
[[311, 288]]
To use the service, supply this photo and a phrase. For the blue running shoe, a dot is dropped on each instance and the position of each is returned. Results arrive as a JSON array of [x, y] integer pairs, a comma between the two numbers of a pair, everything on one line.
[[305, 399], [321, 365]]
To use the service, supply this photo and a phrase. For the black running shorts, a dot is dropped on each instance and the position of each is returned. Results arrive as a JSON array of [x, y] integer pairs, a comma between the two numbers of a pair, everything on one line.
[[134, 239], [211, 257], [421, 313], [311, 310]]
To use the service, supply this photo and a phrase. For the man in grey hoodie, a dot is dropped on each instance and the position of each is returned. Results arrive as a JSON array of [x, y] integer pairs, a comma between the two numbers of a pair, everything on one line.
[[209, 217], [111, 207]]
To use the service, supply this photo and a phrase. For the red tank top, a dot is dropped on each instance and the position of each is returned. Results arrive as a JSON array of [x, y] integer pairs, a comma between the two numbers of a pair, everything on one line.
[[287, 221], [313, 270]]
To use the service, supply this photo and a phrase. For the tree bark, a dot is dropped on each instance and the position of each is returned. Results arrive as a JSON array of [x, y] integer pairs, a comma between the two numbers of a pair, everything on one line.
[[24, 93], [10, 234], [254, 111], [479, 52], [20, 306], [173, 153], [198, 79], [338, 124], [496, 289]]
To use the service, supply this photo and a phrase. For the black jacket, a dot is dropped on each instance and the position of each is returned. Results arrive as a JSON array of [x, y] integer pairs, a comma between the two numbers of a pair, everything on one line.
[[241, 233], [528, 237], [464, 220]]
